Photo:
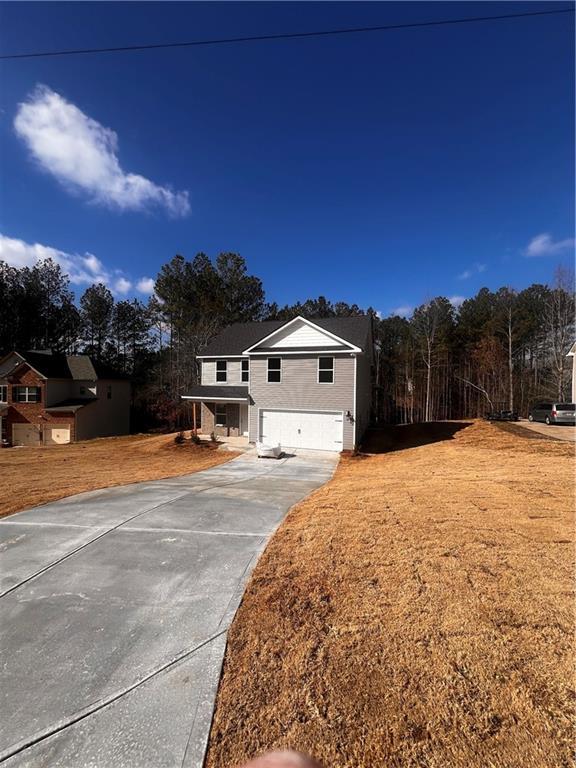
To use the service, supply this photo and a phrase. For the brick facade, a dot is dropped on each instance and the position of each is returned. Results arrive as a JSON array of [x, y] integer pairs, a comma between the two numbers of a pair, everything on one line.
[[208, 417], [32, 413]]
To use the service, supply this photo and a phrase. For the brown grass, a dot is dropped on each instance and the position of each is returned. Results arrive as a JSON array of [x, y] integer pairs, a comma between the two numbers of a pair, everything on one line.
[[415, 611], [32, 476]]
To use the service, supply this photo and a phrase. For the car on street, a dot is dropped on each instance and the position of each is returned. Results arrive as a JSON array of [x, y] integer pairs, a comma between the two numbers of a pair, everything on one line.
[[553, 413]]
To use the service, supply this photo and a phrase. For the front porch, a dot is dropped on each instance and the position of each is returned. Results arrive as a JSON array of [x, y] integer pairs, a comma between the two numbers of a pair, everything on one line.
[[223, 411]]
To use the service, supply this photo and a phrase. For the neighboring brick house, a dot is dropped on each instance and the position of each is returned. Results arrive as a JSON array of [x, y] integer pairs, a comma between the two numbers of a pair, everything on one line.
[[48, 399], [301, 383]]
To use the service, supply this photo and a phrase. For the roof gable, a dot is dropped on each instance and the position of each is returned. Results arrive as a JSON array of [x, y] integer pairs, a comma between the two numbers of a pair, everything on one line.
[[235, 339], [9, 363], [57, 366], [301, 334]]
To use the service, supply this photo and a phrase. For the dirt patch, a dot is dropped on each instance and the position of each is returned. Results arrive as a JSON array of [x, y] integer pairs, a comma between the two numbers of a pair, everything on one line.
[[415, 611], [32, 476]]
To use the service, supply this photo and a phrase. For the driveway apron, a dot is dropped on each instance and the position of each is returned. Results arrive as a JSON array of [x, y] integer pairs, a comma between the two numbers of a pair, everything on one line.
[[114, 608]]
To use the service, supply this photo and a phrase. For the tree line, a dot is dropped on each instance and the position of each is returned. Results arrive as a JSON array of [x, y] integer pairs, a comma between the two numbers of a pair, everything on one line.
[[501, 348]]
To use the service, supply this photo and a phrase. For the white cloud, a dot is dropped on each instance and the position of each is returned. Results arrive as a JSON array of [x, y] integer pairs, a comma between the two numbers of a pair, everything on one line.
[[145, 285], [544, 245], [82, 155], [457, 301], [403, 311], [475, 269], [82, 269], [121, 285]]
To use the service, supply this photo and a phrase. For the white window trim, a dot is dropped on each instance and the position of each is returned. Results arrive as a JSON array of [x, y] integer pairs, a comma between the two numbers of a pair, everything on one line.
[[216, 379], [242, 379], [325, 369], [27, 389], [273, 357]]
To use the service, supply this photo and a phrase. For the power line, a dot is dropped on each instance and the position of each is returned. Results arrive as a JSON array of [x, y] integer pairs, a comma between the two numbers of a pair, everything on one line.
[[284, 36]]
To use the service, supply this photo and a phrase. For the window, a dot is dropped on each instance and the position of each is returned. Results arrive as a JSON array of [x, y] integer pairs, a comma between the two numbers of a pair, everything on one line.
[[221, 416], [325, 370], [26, 394], [109, 392], [3, 393], [245, 370], [274, 370], [82, 390], [221, 370]]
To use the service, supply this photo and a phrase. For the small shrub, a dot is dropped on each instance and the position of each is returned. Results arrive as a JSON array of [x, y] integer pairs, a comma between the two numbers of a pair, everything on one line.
[[214, 437], [179, 438], [195, 439]]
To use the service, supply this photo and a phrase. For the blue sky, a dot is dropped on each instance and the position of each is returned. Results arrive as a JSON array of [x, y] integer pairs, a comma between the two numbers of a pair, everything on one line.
[[380, 169]]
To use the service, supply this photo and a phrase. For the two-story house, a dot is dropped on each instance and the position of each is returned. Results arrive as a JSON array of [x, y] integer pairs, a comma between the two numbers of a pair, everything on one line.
[[47, 398], [298, 383]]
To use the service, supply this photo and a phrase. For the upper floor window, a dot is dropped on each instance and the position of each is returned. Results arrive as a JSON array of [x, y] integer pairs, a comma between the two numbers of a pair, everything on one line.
[[245, 370], [3, 393], [325, 370], [221, 370], [26, 394], [274, 370], [109, 392]]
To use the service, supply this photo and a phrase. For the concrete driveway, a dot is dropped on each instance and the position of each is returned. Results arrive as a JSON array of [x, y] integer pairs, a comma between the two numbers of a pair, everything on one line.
[[114, 609], [556, 431]]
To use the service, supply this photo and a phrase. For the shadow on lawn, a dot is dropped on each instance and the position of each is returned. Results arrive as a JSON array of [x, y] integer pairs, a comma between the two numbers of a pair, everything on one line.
[[402, 436]]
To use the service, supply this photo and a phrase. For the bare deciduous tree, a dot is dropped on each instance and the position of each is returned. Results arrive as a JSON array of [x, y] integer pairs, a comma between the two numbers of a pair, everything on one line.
[[559, 326]]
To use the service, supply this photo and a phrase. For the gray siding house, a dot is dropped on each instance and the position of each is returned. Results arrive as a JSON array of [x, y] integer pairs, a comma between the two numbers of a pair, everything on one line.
[[298, 383]]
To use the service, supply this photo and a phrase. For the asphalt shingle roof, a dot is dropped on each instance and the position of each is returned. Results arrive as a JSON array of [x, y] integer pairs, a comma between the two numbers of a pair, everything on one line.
[[71, 404], [218, 392], [238, 337], [81, 367], [76, 367]]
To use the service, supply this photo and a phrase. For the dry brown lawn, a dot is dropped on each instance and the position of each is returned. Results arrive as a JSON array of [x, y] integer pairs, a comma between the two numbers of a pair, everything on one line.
[[415, 611], [31, 476]]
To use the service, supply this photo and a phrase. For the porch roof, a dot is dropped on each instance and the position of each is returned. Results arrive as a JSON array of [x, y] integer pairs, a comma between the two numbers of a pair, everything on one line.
[[221, 394], [72, 404]]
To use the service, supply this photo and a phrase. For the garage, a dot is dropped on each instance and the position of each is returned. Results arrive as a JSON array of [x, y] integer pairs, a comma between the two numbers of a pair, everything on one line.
[[25, 434], [320, 430], [59, 435]]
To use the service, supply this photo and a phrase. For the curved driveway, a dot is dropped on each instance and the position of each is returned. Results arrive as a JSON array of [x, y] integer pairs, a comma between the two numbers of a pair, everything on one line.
[[114, 609]]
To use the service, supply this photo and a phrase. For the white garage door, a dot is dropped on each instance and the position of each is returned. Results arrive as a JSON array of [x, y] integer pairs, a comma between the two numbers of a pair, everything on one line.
[[56, 435], [25, 434], [302, 429]]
